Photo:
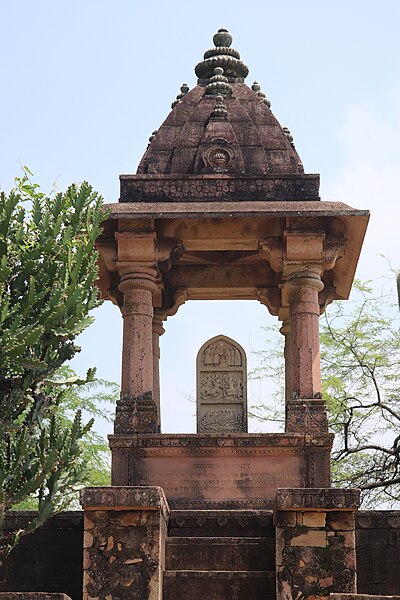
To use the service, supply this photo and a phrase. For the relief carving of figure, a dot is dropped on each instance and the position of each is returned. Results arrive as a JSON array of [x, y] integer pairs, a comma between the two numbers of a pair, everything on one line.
[[221, 420], [221, 354], [221, 387]]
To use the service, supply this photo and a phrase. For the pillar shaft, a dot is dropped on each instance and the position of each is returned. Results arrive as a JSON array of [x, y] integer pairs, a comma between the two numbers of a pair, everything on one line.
[[305, 375], [158, 330], [285, 330], [136, 410]]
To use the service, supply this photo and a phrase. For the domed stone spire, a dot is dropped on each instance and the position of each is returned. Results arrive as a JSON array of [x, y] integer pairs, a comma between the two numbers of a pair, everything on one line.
[[222, 56], [224, 127]]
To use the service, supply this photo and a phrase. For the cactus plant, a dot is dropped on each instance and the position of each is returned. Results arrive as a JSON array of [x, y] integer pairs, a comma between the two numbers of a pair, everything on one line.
[[47, 288]]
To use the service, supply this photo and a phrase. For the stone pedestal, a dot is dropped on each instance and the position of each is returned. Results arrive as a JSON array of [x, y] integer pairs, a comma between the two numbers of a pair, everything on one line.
[[306, 416], [124, 542], [315, 542], [216, 471]]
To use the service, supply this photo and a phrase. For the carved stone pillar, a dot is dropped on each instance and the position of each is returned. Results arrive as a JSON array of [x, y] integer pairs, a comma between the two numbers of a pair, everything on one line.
[[285, 331], [136, 409], [305, 410], [158, 330], [303, 288]]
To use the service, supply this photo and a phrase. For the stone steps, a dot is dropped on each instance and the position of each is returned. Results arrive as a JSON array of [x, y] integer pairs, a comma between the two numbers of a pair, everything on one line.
[[220, 555], [219, 585]]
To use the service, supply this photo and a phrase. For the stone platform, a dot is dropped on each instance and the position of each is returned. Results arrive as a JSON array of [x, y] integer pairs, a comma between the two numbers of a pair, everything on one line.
[[221, 471]]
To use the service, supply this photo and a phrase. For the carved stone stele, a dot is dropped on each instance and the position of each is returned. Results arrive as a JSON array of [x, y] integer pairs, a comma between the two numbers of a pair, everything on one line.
[[221, 387]]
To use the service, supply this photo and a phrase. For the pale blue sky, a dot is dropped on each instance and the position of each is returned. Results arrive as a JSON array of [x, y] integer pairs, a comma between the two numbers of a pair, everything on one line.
[[84, 83]]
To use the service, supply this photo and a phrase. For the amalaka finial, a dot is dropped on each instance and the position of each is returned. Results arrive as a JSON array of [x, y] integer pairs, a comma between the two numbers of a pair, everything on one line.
[[184, 91], [219, 112], [257, 89], [222, 55], [288, 136], [222, 38], [218, 84]]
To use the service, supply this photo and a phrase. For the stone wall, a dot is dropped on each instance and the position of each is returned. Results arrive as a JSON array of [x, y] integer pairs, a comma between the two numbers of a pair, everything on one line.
[[48, 560], [51, 558], [378, 551]]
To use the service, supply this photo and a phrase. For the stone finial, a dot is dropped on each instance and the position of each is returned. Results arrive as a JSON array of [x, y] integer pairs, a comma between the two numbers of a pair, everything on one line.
[[257, 89], [222, 56], [184, 91], [153, 135], [288, 136], [219, 112], [222, 38], [218, 84]]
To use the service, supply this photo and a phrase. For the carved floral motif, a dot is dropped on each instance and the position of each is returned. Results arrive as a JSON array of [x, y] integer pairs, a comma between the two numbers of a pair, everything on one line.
[[145, 188]]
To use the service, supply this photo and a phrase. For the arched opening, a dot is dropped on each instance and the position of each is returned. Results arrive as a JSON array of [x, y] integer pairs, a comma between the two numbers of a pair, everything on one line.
[[194, 324]]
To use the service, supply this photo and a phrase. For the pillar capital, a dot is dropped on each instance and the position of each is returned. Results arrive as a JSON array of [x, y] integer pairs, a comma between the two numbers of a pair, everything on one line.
[[285, 327], [137, 277], [298, 281], [159, 317], [307, 277], [134, 246]]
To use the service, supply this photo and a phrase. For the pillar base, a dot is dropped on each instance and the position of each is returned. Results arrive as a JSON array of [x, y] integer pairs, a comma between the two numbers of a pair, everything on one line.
[[136, 414], [306, 416]]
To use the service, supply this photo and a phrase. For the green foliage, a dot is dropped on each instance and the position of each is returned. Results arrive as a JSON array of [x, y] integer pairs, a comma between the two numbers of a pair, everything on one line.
[[93, 398], [360, 359], [360, 366], [47, 274]]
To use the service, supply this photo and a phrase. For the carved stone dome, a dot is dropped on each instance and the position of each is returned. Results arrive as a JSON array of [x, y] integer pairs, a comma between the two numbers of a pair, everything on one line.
[[221, 125]]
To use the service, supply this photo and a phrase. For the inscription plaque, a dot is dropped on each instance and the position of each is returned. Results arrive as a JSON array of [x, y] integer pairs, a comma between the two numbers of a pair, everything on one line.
[[221, 387]]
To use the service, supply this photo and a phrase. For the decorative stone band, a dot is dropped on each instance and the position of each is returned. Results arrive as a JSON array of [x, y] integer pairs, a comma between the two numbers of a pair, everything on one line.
[[313, 499], [136, 414], [306, 416], [182, 188]]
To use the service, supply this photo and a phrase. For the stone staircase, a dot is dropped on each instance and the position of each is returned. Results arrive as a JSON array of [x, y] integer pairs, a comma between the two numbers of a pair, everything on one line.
[[220, 555]]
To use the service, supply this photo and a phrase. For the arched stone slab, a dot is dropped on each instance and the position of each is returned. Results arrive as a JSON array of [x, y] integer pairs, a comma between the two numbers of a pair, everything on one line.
[[221, 398]]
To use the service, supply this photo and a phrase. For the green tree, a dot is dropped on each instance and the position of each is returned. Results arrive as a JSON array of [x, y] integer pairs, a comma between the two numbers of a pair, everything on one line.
[[360, 365], [94, 399], [47, 289]]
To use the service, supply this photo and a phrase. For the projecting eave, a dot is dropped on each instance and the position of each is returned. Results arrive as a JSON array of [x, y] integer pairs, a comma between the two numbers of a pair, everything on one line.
[[217, 209], [355, 223]]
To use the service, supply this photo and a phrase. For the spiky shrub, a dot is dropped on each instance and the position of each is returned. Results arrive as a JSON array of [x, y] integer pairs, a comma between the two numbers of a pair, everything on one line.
[[47, 276]]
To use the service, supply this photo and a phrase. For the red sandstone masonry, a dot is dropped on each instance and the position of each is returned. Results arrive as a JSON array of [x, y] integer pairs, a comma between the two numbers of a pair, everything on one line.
[[315, 542], [124, 542]]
